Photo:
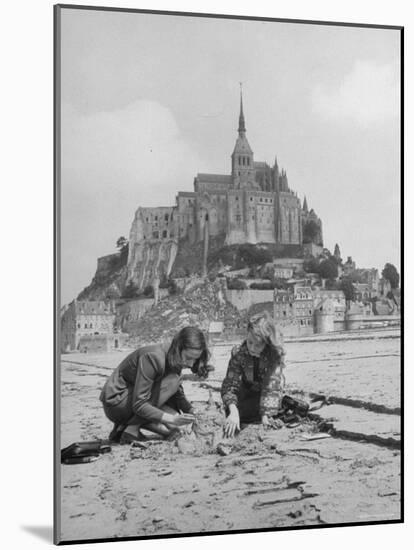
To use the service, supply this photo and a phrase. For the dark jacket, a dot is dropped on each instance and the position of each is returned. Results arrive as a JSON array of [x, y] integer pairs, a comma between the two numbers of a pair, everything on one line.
[[140, 373], [264, 375]]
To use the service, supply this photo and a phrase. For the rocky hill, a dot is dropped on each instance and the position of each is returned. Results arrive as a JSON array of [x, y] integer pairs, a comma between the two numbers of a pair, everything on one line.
[[198, 306], [109, 280], [117, 271]]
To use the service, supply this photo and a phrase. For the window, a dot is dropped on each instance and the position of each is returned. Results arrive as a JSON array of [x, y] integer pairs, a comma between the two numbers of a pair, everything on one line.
[[86, 325], [166, 217], [78, 325], [156, 218], [164, 234], [155, 234], [251, 198], [90, 325]]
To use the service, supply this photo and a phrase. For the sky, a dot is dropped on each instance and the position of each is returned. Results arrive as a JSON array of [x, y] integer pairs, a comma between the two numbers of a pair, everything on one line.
[[149, 100]]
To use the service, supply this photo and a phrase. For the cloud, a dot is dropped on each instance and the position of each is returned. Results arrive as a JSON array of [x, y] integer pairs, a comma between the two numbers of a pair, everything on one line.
[[113, 162], [368, 95]]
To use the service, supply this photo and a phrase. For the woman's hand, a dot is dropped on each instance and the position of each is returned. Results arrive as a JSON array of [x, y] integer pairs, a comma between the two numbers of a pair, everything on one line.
[[177, 420], [232, 423], [266, 422]]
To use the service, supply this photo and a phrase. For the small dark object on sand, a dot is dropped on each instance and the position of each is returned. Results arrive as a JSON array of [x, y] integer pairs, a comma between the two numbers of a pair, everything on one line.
[[223, 449]]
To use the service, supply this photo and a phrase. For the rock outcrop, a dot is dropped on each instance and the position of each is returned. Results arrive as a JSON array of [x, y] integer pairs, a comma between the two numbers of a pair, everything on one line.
[[199, 306], [147, 260]]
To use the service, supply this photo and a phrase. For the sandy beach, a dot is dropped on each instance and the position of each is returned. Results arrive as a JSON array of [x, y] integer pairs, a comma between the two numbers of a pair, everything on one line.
[[270, 479]]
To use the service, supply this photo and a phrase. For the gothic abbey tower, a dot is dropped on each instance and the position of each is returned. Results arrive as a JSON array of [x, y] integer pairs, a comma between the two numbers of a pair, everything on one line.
[[253, 204]]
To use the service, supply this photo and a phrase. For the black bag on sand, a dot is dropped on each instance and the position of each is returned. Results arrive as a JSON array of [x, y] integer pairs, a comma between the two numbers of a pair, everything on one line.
[[83, 451]]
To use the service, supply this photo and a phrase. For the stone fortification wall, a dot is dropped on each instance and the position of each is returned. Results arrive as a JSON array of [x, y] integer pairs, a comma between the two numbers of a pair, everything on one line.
[[244, 299]]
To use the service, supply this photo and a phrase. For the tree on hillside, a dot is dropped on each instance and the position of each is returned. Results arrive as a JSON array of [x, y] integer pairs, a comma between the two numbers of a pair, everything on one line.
[[348, 289], [328, 269], [310, 231], [149, 291], [236, 284], [121, 242], [391, 274], [253, 255], [311, 266], [337, 253], [123, 247], [130, 291]]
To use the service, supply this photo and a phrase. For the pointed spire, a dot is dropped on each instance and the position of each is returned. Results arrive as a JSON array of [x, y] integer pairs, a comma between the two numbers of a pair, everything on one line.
[[242, 126], [276, 165], [305, 205]]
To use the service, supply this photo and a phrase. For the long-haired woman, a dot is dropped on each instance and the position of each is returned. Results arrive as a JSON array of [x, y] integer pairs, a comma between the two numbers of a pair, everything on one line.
[[252, 388], [145, 390]]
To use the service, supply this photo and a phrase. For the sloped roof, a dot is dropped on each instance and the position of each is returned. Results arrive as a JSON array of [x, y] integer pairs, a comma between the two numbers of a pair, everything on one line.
[[242, 145], [213, 178]]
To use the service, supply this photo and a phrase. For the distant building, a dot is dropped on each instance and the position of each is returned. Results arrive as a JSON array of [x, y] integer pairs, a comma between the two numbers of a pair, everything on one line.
[[348, 267], [293, 310], [312, 249], [337, 299], [277, 271], [101, 343], [293, 263], [325, 316], [309, 217], [85, 318], [251, 204], [364, 292]]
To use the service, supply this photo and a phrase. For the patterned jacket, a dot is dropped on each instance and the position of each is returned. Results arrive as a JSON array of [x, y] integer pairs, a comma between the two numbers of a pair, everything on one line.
[[269, 381]]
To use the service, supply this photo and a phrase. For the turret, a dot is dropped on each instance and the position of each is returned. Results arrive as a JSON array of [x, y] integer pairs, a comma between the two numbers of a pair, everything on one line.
[[242, 162]]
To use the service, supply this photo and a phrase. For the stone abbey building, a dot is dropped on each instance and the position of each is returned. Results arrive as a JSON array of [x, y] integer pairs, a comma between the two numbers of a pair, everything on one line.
[[252, 204]]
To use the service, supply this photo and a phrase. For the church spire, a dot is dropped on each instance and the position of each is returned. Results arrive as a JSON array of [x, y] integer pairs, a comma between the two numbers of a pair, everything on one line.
[[305, 205], [242, 126]]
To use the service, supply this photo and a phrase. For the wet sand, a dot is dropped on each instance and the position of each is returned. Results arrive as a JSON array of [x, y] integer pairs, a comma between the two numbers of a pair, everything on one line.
[[270, 479]]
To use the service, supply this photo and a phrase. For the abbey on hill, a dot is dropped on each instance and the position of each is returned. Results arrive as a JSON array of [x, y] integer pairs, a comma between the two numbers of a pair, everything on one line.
[[252, 204]]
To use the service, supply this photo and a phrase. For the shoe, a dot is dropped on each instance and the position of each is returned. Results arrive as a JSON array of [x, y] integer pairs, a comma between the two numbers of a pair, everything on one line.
[[115, 435], [127, 438]]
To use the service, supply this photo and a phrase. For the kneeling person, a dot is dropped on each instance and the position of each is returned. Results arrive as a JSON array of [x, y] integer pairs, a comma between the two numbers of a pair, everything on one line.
[[145, 389], [253, 386]]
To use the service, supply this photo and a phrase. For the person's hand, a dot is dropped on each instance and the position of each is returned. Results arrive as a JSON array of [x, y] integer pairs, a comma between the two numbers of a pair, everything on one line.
[[232, 424], [266, 424], [196, 414], [178, 420]]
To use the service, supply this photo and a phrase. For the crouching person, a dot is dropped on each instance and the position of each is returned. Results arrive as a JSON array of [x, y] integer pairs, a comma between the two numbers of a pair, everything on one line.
[[253, 386], [145, 390]]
